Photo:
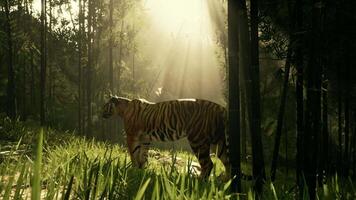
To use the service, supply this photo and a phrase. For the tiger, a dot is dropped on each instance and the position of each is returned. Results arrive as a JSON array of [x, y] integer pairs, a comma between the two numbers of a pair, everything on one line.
[[202, 122]]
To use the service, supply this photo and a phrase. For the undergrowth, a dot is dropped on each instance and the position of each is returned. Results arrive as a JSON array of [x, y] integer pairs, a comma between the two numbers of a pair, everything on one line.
[[51, 165]]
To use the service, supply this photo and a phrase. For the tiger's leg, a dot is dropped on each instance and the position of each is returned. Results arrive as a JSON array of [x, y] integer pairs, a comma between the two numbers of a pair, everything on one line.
[[138, 150], [133, 145], [202, 152], [224, 157], [143, 154]]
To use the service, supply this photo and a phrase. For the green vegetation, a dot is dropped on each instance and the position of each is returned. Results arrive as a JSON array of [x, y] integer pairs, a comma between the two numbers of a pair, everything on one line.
[[77, 168]]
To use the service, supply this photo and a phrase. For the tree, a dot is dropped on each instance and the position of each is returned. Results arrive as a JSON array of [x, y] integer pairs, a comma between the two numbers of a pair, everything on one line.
[[43, 63], [299, 57], [255, 115], [112, 123], [11, 109], [283, 96], [313, 104], [339, 111], [325, 149], [80, 50], [347, 121], [234, 96], [244, 62], [89, 66], [281, 115], [111, 41]]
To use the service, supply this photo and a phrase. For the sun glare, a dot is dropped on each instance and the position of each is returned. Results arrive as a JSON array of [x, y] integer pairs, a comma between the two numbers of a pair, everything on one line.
[[181, 41], [189, 17]]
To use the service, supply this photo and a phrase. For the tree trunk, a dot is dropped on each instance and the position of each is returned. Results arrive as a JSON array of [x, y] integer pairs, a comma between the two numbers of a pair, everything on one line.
[[299, 98], [32, 86], [24, 90], [340, 149], [243, 120], [325, 164], [80, 32], [281, 114], [347, 122], [111, 41], [255, 122], [313, 110], [354, 144], [89, 68], [244, 62], [49, 66], [292, 13], [111, 123], [43, 63], [10, 91], [234, 99]]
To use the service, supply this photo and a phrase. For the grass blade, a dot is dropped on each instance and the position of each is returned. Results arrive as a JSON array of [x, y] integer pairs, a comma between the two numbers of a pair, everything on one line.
[[274, 191], [142, 190], [69, 188], [36, 185], [9, 187], [20, 181]]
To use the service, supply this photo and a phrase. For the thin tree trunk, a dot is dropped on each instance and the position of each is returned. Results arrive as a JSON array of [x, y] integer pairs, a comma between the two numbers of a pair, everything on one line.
[[244, 62], [347, 122], [49, 66], [243, 121], [10, 91], [292, 26], [32, 85], [111, 123], [111, 41], [80, 32], [120, 54], [43, 63], [313, 110], [299, 98], [354, 144], [22, 12], [133, 68], [89, 68], [325, 165], [281, 114], [255, 123], [285, 129], [24, 91], [234, 99], [340, 149]]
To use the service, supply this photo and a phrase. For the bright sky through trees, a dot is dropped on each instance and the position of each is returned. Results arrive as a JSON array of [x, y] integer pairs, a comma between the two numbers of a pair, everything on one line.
[[179, 40]]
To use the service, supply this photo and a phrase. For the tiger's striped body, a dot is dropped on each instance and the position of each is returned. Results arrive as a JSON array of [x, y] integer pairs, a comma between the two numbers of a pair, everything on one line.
[[201, 121]]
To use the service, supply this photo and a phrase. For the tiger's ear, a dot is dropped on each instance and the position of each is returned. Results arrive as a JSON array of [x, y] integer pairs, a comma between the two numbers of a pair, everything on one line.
[[116, 100]]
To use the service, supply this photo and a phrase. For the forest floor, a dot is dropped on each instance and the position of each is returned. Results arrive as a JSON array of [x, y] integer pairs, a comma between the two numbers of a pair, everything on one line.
[[67, 166]]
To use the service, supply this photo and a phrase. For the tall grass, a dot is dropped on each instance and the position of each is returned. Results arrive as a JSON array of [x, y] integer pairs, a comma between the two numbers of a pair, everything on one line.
[[81, 169], [86, 169]]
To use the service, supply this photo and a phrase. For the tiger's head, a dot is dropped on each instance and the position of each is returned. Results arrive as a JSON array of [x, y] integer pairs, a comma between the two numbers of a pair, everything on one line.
[[116, 106]]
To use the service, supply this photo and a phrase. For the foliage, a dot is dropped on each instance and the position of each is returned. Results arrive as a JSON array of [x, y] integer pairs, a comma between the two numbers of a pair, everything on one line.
[[62, 59], [87, 169]]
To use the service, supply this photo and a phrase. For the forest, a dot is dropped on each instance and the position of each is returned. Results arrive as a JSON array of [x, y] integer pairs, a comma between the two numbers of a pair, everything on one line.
[[282, 72]]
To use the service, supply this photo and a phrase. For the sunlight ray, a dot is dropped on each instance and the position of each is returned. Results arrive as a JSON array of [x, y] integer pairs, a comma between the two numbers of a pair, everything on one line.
[[181, 40]]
